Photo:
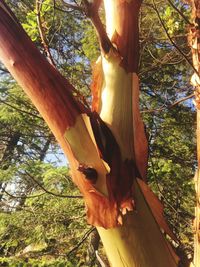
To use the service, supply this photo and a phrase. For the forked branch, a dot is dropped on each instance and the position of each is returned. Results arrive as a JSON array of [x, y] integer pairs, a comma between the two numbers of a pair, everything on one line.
[[92, 12]]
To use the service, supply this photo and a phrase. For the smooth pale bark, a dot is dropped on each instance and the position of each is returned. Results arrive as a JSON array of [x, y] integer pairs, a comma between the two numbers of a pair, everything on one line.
[[52, 95], [139, 241]]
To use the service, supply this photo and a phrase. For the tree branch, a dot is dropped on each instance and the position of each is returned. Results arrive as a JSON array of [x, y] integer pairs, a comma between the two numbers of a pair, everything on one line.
[[169, 106], [91, 11], [168, 204], [46, 46], [181, 100], [42, 33], [4, 70], [180, 13], [171, 40], [20, 110], [50, 192], [21, 197], [71, 6], [85, 236]]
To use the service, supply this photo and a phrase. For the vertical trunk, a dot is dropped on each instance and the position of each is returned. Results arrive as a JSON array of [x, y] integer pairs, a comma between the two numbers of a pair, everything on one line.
[[196, 260], [194, 42], [139, 241], [7, 155], [8, 150]]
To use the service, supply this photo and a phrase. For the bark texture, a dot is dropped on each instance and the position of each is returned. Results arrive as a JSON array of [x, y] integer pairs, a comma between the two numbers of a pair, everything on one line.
[[106, 147], [194, 41]]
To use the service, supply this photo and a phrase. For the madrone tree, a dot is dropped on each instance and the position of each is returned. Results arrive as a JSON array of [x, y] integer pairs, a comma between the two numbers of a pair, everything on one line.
[[106, 144], [194, 42]]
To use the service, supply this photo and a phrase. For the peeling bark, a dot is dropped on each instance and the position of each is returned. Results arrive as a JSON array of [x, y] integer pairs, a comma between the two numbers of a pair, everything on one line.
[[107, 148]]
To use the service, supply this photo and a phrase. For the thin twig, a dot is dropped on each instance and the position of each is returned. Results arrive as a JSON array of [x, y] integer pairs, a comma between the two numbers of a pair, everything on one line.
[[71, 6], [50, 192], [4, 70], [42, 33], [169, 106], [20, 110], [168, 204], [77, 95], [85, 236], [101, 262], [21, 197], [171, 40], [181, 100], [180, 13]]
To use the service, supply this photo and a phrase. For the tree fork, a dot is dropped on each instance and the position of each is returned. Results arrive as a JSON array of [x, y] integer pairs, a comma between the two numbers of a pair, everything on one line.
[[106, 151]]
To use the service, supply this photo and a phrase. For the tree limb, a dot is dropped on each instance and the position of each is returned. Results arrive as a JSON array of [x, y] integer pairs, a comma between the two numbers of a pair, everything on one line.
[[171, 40], [169, 106], [50, 192], [91, 11], [85, 236], [21, 197], [180, 13], [42, 33], [20, 110]]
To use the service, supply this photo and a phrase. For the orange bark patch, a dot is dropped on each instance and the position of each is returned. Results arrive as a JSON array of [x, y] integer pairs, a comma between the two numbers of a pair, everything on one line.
[[156, 208], [120, 178], [96, 86], [52, 95], [99, 209], [49, 91]]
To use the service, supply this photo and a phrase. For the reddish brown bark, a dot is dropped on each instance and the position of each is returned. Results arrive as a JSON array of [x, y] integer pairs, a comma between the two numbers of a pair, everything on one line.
[[52, 95], [50, 92], [96, 86]]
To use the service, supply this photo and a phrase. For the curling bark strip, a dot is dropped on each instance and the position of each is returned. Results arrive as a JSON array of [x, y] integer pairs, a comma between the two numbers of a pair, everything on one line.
[[52, 94], [115, 85]]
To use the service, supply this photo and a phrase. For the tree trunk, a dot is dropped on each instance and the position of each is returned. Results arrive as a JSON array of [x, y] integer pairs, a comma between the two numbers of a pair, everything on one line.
[[6, 157], [106, 148], [138, 242], [194, 42]]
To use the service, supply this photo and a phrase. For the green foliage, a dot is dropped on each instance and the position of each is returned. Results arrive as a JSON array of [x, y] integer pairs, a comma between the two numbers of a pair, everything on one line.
[[31, 26], [88, 42], [43, 262], [165, 78]]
